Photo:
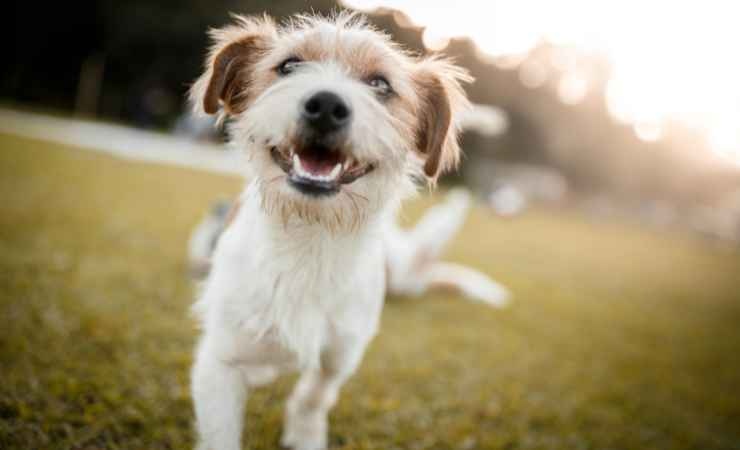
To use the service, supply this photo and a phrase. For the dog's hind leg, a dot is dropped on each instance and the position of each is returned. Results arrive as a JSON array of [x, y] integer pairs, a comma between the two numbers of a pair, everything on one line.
[[469, 282], [439, 225], [409, 252], [219, 392], [413, 256]]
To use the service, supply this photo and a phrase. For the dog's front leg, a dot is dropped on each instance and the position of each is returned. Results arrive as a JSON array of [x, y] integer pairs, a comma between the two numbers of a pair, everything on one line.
[[219, 392], [307, 410]]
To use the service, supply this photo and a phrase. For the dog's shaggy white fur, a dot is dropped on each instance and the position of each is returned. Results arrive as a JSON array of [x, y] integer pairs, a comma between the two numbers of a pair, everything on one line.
[[337, 124]]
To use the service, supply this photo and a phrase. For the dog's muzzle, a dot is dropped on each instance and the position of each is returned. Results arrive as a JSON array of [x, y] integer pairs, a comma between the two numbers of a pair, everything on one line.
[[316, 163]]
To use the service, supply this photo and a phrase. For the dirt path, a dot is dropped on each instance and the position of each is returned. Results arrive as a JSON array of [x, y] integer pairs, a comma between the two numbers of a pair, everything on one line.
[[121, 141]]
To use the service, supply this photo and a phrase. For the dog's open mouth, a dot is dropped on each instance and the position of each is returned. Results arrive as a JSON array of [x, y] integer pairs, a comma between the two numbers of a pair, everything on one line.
[[319, 170]]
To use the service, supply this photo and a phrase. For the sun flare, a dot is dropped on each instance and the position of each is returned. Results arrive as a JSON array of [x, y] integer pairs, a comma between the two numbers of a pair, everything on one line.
[[671, 61]]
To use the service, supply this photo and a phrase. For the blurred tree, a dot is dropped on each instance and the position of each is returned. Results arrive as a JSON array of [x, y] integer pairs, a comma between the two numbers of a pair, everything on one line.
[[148, 52]]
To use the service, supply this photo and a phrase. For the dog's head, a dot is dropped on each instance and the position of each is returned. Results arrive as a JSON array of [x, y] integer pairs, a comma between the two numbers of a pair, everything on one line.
[[336, 120]]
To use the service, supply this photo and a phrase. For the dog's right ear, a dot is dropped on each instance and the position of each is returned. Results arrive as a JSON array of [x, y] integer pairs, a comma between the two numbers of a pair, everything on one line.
[[229, 69]]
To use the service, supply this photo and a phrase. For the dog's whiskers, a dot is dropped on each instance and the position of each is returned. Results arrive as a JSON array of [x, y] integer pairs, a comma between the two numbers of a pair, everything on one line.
[[276, 178], [355, 194]]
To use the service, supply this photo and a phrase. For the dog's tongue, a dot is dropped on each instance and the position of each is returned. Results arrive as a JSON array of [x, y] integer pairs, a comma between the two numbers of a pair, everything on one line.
[[319, 162]]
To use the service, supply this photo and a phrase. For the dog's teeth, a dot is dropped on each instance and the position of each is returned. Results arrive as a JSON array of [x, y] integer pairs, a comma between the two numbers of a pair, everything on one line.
[[297, 164], [300, 171], [335, 171], [298, 167]]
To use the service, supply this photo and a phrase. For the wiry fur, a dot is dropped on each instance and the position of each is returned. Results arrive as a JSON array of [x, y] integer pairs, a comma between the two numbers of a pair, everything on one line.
[[298, 282]]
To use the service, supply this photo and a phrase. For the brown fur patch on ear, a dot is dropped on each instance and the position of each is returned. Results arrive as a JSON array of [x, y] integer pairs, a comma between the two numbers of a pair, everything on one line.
[[441, 99], [435, 121], [228, 72], [230, 78]]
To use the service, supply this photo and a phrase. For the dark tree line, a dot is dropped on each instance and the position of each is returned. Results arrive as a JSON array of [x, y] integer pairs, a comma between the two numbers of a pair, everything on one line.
[[137, 56]]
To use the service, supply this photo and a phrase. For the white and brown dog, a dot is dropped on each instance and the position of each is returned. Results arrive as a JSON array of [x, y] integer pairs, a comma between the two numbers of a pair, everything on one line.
[[337, 124]]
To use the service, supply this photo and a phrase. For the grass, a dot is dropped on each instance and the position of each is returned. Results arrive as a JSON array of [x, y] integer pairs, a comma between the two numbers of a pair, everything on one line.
[[618, 338]]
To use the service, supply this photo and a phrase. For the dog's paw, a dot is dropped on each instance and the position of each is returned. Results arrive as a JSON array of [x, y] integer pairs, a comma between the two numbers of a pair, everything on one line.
[[305, 432]]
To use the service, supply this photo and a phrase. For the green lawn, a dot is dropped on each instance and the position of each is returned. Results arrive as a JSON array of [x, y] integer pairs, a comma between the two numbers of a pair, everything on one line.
[[618, 338]]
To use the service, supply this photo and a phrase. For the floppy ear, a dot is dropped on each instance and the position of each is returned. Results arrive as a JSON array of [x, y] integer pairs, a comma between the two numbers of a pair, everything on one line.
[[229, 68], [441, 99]]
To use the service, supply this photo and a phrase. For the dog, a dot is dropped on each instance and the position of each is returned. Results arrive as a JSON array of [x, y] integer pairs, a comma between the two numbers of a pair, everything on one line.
[[338, 125]]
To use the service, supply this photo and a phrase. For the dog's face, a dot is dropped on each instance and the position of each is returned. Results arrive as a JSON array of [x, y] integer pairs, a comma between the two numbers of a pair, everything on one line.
[[335, 119]]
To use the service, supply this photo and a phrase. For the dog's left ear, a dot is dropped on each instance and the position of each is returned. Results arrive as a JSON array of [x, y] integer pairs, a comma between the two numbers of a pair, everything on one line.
[[229, 69], [441, 99]]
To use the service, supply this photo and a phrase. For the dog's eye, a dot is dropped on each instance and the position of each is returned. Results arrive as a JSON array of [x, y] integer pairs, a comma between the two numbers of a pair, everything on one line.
[[288, 66], [380, 85]]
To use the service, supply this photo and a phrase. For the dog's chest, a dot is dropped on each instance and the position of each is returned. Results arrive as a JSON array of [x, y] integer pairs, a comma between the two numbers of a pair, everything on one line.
[[297, 292]]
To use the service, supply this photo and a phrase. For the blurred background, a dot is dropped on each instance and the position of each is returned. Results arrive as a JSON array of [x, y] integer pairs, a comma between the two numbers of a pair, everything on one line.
[[603, 150], [622, 108]]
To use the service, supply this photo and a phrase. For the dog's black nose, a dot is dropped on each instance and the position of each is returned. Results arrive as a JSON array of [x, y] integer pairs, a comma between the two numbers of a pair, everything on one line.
[[326, 112]]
